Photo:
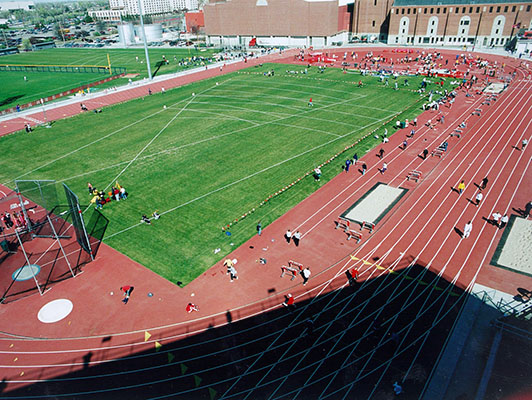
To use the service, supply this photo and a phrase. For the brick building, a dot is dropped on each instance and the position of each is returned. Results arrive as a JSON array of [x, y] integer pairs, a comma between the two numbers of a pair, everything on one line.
[[319, 23], [457, 22]]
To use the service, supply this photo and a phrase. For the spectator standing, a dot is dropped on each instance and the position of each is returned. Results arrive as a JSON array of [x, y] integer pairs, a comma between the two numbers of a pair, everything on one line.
[[305, 274], [528, 208], [461, 187], [288, 236], [259, 228], [478, 198], [317, 173], [127, 292], [296, 238], [364, 168], [289, 301], [496, 217], [355, 159], [504, 221], [347, 165], [232, 273], [484, 183], [467, 230]]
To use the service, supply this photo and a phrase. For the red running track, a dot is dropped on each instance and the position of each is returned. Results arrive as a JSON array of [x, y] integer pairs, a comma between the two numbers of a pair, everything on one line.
[[419, 229]]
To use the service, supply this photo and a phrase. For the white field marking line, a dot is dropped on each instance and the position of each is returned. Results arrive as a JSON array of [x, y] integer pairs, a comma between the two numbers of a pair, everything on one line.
[[455, 278], [327, 326], [440, 204], [294, 115], [464, 263], [237, 108], [217, 115], [251, 99], [154, 138], [381, 242], [260, 102], [278, 336], [251, 175], [361, 186], [305, 128], [254, 95], [283, 89], [240, 79], [93, 142], [470, 285]]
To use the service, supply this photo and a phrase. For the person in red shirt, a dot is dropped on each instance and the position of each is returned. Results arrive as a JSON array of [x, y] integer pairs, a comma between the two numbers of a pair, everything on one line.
[[310, 102], [191, 307], [127, 292], [289, 301]]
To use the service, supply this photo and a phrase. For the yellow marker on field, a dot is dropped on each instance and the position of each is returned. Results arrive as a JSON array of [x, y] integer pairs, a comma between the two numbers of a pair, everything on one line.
[[147, 336]]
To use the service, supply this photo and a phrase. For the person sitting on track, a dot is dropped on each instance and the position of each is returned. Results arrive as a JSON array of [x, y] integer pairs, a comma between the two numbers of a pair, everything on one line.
[[83, 107]]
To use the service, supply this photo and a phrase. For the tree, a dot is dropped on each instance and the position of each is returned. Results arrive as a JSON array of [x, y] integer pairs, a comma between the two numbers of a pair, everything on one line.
[[26, 44], [88, 19]]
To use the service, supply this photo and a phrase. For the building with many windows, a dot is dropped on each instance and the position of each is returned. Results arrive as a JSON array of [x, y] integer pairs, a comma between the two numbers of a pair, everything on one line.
[[457, 22], [484, 23], [118, 8]]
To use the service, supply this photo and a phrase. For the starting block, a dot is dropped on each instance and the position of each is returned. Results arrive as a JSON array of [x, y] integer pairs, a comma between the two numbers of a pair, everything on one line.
[[437, 152], [457, 133], [342, 223], [355, 235], [477, 112], [367, 225], [414, 175], [293, 267]]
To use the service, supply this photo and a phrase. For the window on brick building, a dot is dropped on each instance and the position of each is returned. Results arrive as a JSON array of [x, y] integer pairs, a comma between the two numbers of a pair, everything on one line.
[[528, 8], [478, 10], [375, 3], [463, 10], [402, 11], [499, 9], [445, 11], [408, 11], [491, 9], [506, 9], [414, 10], [425, 11], [373, 23], [513, 9], [438, 10], [470, 10]]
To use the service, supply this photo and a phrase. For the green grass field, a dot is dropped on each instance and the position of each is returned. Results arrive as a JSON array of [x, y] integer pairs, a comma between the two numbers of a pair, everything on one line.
[[206, 159], [14, 90]]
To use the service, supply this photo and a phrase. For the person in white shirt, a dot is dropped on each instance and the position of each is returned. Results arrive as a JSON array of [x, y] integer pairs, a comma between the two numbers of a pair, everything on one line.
[[467, 230], [305, 274]]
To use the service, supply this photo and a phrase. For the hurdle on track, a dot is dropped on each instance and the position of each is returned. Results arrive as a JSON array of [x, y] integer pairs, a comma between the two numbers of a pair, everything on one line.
[[414, 175], [293, 267], [343, 223], [354, 234], [437, 152], [367, 225]]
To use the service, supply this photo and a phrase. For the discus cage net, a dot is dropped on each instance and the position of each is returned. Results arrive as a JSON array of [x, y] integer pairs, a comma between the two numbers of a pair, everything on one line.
[[50, 240]]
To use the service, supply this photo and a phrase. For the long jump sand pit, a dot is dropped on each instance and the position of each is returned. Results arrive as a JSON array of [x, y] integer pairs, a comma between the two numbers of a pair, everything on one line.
[[514, 250], [375, 204]]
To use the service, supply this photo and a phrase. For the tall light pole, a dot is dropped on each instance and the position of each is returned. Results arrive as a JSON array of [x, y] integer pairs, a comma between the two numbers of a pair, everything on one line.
[[144, 40]]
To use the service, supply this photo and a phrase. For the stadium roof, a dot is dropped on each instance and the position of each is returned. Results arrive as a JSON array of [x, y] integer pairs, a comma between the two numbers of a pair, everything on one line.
[[406, 3]]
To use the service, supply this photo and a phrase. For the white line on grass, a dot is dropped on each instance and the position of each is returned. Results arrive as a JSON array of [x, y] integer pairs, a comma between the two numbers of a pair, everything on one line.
[[93, 142], [154, 138], [244, 178]]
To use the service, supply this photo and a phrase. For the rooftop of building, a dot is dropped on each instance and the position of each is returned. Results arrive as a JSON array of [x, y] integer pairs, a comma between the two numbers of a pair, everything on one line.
[[407, 3]]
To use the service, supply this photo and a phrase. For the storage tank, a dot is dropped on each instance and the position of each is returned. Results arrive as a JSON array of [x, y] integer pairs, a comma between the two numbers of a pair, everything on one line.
[[154, 32], [126, 33]]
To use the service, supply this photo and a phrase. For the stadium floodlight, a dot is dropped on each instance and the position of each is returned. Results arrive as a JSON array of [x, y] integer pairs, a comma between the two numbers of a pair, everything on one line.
[[144, 40]]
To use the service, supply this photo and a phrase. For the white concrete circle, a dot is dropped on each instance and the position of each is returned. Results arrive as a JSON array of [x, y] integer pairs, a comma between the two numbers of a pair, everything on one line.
[[55, 311]]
